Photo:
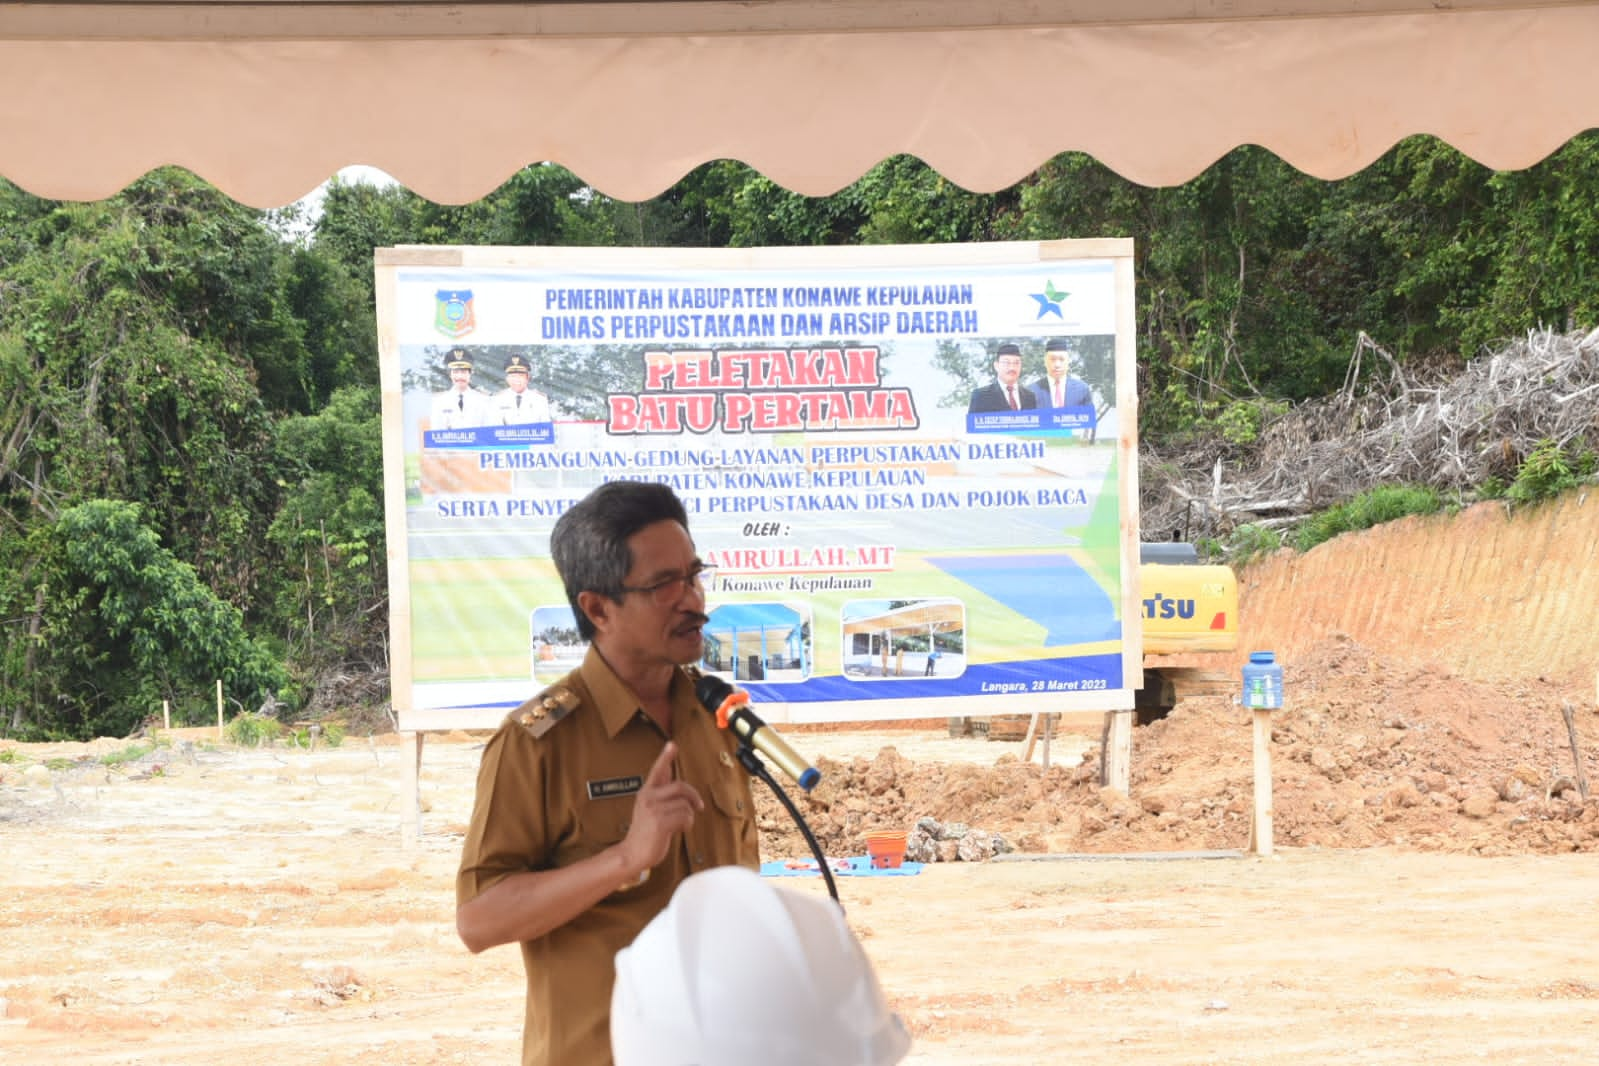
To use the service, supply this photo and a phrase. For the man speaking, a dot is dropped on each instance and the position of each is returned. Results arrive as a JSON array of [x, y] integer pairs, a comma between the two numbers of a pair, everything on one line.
[[603, 792]]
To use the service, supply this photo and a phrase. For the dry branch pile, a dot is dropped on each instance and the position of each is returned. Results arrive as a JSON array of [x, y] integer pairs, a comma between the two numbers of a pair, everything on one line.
[[1388, 425]]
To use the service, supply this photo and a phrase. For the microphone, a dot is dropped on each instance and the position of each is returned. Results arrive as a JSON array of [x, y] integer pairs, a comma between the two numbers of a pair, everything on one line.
[[731, 707]]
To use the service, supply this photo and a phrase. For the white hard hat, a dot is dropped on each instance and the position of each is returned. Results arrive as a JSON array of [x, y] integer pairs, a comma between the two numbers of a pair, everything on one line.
[[735, 971]]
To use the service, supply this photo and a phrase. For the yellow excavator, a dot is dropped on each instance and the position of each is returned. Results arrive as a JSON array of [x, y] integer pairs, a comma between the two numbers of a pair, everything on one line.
[[1188, 606]]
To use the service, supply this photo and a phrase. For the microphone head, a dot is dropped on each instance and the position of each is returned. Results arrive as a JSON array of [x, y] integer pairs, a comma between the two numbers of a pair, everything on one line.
[[711, 691]]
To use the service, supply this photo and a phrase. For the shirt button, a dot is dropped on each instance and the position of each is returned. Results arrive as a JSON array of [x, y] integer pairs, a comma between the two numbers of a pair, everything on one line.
[[699, 860]]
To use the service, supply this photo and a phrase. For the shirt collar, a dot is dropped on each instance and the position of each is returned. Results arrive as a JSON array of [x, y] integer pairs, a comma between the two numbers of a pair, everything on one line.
[[617, 703]]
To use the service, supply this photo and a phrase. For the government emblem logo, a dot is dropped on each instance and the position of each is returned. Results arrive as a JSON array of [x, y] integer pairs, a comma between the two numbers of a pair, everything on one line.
[[453, 315]]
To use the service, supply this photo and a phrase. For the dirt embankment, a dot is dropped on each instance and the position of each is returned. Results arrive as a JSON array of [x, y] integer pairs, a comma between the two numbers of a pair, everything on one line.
[[1427, 664], [1485, 595]]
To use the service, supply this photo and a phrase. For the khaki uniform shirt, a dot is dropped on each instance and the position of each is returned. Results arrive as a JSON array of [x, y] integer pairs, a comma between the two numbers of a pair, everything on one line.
[[548, 801]]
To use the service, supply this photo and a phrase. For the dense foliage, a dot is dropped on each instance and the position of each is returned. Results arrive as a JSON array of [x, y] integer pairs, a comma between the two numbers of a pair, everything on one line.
[[190, 457]]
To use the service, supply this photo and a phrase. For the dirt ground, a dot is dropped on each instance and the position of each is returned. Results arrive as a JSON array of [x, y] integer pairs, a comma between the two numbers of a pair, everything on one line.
[[1430, 897], [212, 904]]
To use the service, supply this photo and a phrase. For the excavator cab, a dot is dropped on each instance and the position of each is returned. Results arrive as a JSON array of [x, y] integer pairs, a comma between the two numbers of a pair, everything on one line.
[[1188, 606]]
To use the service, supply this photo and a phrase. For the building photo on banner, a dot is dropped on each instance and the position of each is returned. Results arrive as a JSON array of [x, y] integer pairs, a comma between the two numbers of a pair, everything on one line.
[[908, 470]]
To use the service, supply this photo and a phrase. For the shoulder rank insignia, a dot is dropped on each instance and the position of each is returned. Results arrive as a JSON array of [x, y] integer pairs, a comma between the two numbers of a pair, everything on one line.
[[539, 714]]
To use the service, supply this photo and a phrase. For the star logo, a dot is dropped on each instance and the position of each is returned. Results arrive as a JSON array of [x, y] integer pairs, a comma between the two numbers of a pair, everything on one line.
[[1049, 300]]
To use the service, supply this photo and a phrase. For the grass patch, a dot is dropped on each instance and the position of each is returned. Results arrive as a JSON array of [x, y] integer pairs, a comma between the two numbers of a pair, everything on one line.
[[252, 730], [1548, 472], [331, 735], [1250, 542], [131, 753], [1371, 508]]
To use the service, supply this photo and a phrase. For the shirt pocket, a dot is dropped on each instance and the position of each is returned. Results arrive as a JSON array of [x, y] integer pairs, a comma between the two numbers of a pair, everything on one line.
[[730, 798], [734, 803], [600, 824], [606, 821]]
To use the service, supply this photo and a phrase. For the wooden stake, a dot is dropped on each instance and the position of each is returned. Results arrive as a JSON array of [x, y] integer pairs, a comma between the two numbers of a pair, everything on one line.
[[166, 714], [1032, 735], [1570, 715], [1260, 828], [411, 789], [1118, 753], [1049, 727], [219, 709], [1104, 750]]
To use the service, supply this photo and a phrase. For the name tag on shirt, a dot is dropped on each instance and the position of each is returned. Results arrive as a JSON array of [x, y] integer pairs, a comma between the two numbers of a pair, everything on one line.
[[614, 786]]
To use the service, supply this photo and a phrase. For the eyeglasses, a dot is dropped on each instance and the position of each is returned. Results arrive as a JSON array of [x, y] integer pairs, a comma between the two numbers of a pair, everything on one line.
[[668, 590]]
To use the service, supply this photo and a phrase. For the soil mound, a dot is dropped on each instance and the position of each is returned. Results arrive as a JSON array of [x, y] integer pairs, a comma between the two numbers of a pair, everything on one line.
[[1367, 751]]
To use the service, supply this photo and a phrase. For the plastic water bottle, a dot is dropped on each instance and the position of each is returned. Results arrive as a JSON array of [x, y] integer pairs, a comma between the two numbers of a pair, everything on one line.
[[1263, 680]]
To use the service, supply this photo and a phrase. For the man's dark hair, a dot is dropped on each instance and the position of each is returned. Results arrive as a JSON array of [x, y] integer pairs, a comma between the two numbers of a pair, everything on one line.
[[589, 542]]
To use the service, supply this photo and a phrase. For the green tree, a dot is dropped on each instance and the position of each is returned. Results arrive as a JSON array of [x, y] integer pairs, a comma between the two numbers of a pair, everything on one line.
[[899, 201], [127, 625], [149, 345], [1531, 247], [126, 380], [329, 535]]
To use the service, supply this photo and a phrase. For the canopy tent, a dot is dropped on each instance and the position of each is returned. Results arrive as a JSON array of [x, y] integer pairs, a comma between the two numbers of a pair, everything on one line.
[[267, 100], [750, 639], [925, 618], [872, 628]]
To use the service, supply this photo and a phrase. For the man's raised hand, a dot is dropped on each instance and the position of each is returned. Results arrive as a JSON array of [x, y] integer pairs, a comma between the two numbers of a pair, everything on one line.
[[663, 808]]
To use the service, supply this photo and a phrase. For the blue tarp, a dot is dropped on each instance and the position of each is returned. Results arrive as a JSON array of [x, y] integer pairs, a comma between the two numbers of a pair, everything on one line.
[[854, 866]]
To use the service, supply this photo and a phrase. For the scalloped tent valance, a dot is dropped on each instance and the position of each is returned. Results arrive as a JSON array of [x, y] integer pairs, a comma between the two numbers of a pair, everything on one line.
[[266, 100]]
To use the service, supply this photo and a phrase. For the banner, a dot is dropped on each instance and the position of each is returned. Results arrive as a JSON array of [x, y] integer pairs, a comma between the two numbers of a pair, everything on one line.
[[911, 469]]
